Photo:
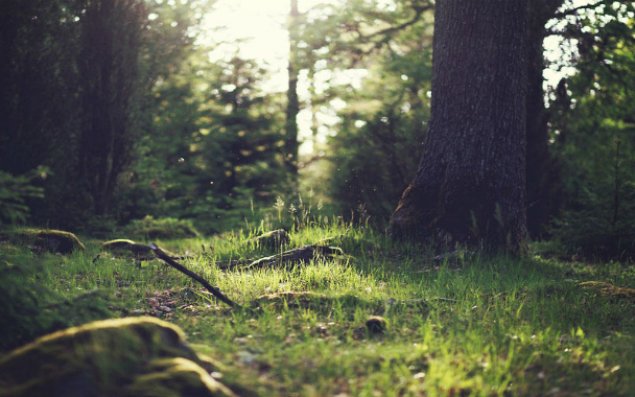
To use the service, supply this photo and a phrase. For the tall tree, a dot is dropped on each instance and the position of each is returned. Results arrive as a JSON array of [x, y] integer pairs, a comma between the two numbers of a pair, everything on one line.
[[108, 71], [470, 185], [293, 104], [37, 42]]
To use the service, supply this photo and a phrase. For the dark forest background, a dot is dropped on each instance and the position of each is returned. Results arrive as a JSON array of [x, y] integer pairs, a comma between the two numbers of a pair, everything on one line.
[[111, 112]]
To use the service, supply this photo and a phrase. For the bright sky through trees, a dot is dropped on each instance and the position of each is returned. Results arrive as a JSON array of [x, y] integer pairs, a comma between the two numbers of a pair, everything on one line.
[[256, 29]]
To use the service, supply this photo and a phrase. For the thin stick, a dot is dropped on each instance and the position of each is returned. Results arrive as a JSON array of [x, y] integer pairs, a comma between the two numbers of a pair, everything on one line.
[[215, 291]]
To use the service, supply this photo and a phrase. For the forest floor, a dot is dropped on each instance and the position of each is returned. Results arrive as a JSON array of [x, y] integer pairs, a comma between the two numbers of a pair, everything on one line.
[[454, 326]]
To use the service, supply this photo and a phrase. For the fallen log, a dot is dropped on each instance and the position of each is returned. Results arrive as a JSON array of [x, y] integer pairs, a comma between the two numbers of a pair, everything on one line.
[[293, 256], [44, 240], [296, 256]]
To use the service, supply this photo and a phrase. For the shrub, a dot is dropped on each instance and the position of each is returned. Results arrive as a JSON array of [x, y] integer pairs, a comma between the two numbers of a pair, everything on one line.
[[15, 191], [599, 229]]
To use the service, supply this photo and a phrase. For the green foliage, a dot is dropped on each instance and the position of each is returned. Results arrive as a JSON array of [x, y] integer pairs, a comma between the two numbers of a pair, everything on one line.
[[589, 232], [378, 143], [215, 153], [30, 309], [594, 137], [20, 309], [15, 192], [37, 41], [100, 59]]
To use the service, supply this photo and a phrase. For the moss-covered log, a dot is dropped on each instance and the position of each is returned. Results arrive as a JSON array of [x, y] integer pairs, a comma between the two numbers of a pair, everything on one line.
[[45, 240]]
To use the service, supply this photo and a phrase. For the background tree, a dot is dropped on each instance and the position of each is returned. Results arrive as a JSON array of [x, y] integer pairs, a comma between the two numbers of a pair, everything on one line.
[[108, 86], [37, 39], [470, 185], [379, 138], [216, 150], [371, 152], [76, 83]]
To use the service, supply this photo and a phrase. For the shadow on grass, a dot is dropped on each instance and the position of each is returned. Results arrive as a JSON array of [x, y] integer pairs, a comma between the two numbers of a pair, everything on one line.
[[322, 303]]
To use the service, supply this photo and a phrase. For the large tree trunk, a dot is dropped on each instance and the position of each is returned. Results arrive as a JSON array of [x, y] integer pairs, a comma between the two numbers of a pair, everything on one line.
[[470, 185]]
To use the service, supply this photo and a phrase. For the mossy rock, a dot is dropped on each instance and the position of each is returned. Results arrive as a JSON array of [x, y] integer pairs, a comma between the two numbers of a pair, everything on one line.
[[45, 240], [376, 325], [109, 358]]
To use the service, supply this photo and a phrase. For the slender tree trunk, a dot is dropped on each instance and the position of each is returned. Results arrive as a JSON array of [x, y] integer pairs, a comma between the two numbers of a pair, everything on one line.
[[470, 185], [542, 171], [293, 104]]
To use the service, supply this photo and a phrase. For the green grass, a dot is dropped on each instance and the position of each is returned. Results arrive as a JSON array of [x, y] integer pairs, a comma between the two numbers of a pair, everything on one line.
[[477, 327]]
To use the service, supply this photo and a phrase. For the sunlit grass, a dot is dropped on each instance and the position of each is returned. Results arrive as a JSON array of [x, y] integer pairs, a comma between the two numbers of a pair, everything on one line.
[[481, 327]]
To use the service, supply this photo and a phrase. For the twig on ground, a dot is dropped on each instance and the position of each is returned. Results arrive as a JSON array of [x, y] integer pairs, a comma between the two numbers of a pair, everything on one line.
[[215, 291]]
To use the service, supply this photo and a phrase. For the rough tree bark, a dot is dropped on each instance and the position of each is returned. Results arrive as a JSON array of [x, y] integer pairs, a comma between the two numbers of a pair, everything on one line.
[[470, 185]]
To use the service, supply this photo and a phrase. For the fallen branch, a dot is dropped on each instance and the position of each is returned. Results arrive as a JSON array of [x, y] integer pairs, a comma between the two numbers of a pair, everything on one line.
[[128, 249], [215, 291], [296, 255]]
